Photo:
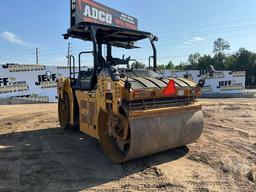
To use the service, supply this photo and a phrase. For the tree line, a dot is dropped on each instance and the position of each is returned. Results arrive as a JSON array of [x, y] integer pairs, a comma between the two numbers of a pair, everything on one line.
[[241, 60]]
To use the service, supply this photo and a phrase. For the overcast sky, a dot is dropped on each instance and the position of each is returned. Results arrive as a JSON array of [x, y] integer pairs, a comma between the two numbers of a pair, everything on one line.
[[183, 27]]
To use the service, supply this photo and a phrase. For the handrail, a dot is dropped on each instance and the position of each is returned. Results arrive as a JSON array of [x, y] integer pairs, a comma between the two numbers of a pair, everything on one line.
[[71, 58], [79, 58], [79, 63], [149, 61]]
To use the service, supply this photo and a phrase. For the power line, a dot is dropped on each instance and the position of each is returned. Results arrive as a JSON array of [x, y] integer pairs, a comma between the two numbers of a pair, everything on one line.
[[212, 38], [61, 49], [213, 25], [213, 32], [52, 52]]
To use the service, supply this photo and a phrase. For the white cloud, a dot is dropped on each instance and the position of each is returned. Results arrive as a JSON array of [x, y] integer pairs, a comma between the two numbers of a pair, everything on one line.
[[187, 43], [12, 38], [195, 39]]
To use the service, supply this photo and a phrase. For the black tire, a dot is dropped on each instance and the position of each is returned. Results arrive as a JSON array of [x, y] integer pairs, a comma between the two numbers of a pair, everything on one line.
[[64, 111]]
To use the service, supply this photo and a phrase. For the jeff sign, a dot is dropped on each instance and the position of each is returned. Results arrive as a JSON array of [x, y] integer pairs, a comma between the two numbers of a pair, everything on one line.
[[4, 81], [30, 81], [90, 11]]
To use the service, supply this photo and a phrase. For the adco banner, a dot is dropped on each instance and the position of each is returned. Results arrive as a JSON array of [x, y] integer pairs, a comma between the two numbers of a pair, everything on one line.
[[91, 11]]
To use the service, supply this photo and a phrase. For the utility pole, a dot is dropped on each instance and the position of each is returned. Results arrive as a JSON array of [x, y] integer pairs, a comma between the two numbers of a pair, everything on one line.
[[69, 51], [37, 56]]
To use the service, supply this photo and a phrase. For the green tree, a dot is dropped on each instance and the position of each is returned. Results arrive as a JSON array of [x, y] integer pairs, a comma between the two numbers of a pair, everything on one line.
[[161, 66], [170, 66], [219, 61], [193, 60], [204, 62], [246, 61], [230, 62], [220, 45], [242, 60], [180, 67], [138, 65]]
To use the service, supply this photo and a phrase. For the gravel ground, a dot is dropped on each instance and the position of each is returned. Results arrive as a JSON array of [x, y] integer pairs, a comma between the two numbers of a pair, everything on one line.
[[37, 155]]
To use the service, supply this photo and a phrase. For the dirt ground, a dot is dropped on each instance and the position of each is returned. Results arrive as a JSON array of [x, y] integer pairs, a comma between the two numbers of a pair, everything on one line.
[[37, 155]]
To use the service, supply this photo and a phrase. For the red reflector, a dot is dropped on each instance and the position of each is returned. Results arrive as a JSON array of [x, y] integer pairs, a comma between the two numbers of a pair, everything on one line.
[[170, 89]]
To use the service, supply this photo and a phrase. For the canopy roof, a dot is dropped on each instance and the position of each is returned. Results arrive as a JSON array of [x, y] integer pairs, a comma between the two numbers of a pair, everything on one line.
[[105, 34]]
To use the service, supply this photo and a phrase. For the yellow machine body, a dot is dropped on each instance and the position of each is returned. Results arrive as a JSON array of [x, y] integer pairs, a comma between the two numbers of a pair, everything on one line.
[[132, 112], [136, 121]]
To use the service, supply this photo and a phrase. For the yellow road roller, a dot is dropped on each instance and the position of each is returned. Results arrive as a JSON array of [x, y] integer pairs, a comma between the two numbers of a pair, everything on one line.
[[131, 112]]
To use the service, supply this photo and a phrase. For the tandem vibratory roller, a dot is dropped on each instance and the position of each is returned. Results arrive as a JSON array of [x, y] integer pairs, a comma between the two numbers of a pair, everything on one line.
[[132, 112]]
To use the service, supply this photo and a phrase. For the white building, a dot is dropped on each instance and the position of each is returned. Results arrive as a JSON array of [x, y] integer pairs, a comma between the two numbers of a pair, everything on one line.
[[29, 82], [223, 83]]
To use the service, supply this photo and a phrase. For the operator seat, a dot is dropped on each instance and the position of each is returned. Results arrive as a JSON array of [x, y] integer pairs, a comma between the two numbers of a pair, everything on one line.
[[87, 80]]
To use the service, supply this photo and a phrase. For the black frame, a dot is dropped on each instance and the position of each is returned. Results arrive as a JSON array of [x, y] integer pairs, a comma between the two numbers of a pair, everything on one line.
[[100, 34]]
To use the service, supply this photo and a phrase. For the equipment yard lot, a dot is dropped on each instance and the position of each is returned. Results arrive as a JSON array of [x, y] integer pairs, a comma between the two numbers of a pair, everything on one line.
[[36, 155]]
